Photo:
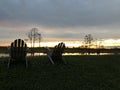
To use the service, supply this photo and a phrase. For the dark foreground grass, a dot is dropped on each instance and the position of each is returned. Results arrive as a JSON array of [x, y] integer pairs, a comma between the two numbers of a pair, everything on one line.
[[81, 73]]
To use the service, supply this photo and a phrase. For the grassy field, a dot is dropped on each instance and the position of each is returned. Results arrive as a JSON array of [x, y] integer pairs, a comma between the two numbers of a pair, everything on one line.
[[81, 73]]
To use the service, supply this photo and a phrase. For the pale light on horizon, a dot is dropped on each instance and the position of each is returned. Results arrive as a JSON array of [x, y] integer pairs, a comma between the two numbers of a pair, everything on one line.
[[108, 42], [52, 44], [73, 43]]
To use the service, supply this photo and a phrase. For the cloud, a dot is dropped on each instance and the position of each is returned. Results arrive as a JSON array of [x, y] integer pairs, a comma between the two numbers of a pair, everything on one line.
[[61, 13], [60, 18]]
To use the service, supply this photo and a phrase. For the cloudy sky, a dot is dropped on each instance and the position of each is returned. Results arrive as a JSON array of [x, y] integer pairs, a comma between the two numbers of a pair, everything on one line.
[[60, 19]]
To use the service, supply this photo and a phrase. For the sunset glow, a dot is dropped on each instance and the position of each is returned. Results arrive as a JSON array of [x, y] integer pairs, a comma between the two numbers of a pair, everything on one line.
[[112, 42], [61, 21], [52, 44], [105, 43]]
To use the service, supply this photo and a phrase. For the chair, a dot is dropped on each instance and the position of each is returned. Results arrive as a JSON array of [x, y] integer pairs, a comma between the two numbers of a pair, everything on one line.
[[17, 52], [56, 54]]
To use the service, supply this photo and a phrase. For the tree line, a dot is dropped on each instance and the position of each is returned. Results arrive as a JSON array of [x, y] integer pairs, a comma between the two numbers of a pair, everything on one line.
[[34, 36]]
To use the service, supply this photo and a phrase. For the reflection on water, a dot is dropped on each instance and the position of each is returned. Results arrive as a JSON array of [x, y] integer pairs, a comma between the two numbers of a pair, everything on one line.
[[36, 54], [65, 54], [28, 54], [4, 55]]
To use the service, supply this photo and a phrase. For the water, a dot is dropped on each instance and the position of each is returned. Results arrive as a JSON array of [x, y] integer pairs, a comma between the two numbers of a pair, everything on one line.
[[4, 55], [28, 54], [65, 54]]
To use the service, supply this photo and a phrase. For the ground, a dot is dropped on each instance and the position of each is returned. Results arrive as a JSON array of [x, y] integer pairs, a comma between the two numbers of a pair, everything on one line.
[[81, 73]]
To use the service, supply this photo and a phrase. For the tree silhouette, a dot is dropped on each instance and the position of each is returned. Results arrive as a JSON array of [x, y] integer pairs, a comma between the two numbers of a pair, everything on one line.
[[33, 35], [88, 40]]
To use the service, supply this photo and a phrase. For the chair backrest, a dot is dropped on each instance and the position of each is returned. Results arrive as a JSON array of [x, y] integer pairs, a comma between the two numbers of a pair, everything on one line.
[[57, 51], [59, 48], [18, 49]]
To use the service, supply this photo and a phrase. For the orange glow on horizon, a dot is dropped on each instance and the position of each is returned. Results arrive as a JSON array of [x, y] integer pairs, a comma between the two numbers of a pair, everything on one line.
[[108, 42], [111, 42], [52, 44]]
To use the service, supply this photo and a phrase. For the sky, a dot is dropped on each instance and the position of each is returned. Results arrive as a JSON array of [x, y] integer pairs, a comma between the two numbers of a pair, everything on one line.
[[60, 20]]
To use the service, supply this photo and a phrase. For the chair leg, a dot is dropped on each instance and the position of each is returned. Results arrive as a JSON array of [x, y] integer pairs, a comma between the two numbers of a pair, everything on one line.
[[64, 61], [51, 59], [26, 62], [9, 62]]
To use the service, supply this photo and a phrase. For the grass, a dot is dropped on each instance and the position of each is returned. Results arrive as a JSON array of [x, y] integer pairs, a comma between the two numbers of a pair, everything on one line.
[[81, 73]]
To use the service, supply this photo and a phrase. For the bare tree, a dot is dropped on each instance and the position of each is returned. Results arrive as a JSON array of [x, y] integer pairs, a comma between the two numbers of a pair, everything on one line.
[[88, 39], [39, 37], [33, 35]]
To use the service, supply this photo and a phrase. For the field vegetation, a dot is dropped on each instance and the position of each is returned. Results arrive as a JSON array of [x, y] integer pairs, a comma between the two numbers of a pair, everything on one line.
[[80, 73]]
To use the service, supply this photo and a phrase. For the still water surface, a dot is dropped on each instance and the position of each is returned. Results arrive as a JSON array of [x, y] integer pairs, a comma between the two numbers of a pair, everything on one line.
[[65, 54]]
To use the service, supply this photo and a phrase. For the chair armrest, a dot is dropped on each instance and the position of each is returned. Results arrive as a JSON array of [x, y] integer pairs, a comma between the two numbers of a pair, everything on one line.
[[48, 51], [9, 48]]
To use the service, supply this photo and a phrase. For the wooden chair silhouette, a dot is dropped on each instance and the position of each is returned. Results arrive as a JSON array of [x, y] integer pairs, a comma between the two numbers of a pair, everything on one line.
[[56, 54], [17, 51]]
